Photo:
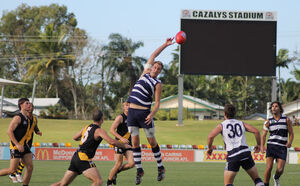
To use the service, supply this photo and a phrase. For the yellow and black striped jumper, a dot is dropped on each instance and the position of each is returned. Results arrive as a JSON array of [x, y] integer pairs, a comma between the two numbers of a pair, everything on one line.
[[21, 133], [82, 158], [122, 130], [29, 140]]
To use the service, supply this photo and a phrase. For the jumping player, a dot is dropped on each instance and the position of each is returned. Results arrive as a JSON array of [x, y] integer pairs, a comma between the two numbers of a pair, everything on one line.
[[280, 138], [120, 130], [140, 114], [90, 137], [233, 132], [19, 150]]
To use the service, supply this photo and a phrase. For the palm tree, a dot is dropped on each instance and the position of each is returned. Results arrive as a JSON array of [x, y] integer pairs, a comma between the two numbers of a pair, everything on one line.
[[50, 58], [282, 61], [291, 90], [120, 59]]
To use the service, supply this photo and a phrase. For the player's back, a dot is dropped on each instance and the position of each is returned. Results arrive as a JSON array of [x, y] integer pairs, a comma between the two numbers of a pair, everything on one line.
[[88, 144], [234, 138]]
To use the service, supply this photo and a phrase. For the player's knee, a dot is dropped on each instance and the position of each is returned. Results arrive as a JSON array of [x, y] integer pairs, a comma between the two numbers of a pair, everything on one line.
[[29, 168], [131, 164], [280, 170], [269, 167]]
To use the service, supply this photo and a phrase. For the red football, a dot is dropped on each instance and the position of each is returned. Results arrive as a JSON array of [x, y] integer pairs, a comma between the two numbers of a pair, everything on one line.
[[180, 37]]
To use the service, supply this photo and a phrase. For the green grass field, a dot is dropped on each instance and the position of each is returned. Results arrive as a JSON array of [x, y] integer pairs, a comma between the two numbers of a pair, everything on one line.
[[193, 132], [177, 174]]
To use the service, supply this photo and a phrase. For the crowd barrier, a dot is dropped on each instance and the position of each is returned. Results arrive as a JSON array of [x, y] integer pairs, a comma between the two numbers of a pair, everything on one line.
[[171, 155]]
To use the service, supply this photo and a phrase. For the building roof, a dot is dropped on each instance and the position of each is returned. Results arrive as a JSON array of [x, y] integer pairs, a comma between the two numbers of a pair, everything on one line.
[[10, 82], [195, 100], [256, 115], [38, 102], [291, 107]]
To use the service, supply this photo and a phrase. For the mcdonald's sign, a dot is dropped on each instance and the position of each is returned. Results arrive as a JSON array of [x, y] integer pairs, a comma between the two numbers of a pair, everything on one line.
[[41, 154]]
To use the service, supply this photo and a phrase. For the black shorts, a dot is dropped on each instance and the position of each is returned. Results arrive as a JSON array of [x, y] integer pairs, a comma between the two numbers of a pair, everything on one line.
[[78, 165], [14, 153], [276, 151], [121, 150], [234, 166], [137, 118]]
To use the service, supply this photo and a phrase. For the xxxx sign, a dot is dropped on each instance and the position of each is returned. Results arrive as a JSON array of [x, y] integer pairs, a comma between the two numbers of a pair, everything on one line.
[[221, 155]]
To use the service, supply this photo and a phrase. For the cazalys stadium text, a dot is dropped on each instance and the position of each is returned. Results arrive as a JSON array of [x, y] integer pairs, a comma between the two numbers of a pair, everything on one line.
[[230, 15]]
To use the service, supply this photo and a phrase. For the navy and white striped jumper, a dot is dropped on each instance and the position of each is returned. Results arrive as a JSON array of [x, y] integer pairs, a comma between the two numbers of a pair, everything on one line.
[[235, 141], [143, 91], [278, 131]]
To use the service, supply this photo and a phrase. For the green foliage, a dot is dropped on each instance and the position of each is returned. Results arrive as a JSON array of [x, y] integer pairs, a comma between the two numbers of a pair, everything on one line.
[[122, 68], [55, 112], [172, 114]]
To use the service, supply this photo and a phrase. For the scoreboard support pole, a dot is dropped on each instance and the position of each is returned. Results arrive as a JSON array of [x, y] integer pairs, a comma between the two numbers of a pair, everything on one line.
[[180, 100], [273, 96], [274, 89]]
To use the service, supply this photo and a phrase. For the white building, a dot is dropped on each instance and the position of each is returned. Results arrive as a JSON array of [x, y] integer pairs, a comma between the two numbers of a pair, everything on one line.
[[200, 108], [292, 108], [11, 104]]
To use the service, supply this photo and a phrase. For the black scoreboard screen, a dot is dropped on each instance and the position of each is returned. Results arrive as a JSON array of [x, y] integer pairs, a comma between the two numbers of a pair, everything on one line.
[[228, 43]]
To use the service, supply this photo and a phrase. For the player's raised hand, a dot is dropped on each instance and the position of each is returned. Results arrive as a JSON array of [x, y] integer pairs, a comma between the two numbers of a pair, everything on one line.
[[169, 41]]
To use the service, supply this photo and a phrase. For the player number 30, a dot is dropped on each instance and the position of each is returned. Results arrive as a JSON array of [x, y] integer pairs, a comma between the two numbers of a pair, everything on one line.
[[235, 130]]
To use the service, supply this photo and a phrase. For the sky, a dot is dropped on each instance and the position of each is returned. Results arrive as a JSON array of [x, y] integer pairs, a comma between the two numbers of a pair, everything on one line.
[[153, 21]]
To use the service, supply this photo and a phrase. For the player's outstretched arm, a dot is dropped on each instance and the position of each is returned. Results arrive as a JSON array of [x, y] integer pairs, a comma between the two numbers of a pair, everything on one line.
[[150, 62], [103, 134], [256, 133], [211, 137], [77, 136], [155, 108], [114, 126], [291, 133]]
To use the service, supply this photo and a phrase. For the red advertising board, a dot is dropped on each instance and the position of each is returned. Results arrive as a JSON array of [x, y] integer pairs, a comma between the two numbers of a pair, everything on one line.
[[170, 155], [108, 154], [67, 153]]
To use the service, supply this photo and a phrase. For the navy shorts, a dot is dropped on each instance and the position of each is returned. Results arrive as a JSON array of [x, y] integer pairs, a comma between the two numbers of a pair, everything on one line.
[[78, 165], [234, 166], [137, 118], [276, 151]]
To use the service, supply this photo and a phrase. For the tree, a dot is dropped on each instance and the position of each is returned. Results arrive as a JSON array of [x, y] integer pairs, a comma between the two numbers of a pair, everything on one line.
[[282, 61], [291, 90], [122, 67]]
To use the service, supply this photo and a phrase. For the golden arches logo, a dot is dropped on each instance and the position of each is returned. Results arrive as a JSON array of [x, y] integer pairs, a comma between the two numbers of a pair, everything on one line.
[[298, 158], [42, 154]]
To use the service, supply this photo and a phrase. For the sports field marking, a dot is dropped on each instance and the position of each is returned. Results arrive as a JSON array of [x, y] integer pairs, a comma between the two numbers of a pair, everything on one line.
[[293, 172]]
